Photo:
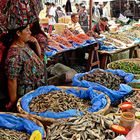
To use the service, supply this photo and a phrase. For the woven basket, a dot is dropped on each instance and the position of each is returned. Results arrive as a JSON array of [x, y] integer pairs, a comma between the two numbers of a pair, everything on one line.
[[27, 117], [134, 60], [49, 121]]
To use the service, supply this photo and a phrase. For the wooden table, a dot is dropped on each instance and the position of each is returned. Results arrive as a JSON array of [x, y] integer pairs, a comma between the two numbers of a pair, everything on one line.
[[106, 56], [92, 60]]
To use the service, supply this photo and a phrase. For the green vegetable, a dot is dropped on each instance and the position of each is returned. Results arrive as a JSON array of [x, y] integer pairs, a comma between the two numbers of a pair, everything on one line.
[[137, 114], [134, 84]]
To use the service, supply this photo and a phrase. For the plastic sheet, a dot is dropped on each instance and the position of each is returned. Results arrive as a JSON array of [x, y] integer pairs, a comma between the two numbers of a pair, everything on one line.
[[135, 40], [107, 48], [98, 101], [113, 94], [18, 123], [50, 53]]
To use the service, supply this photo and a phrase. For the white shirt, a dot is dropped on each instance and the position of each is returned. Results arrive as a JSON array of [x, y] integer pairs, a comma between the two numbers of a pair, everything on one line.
[[52, 13], [76, 26]]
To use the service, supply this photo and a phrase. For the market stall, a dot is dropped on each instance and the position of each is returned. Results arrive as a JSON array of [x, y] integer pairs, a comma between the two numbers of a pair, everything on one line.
[[102, 106], [125, 39]]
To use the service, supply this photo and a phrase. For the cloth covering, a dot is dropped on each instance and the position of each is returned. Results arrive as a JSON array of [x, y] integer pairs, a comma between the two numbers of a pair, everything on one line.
[[18, 123], [21, 12], [98, 101], [113, 94]]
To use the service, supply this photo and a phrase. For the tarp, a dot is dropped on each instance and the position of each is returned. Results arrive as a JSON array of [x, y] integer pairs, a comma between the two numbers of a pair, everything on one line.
[[98, 101], [18, 123], [113, 94]]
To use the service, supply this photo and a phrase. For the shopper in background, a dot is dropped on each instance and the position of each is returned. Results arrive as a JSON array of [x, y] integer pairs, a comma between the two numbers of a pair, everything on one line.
[[48, 6], [68, 7], [100, 7], [51, 16], [64, 9], [128, 13], [101, 26], [59, 13], [77, 7], [83, 18], [106, 10], [95, 12], [74, 25]]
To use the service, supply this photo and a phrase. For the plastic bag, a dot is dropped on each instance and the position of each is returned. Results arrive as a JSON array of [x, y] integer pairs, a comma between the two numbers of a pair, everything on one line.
[[98, 101], [18, 123], [134, 133], [113, 94]]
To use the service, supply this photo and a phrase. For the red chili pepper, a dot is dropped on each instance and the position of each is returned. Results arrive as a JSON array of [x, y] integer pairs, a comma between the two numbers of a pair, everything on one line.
[[119, 129], [126, 105]]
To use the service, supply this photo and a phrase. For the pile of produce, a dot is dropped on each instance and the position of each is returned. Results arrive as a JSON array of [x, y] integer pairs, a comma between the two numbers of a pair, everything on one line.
[[133, 33], [90, 33], [62, 40], [128, 67], [75, 39], [7, 134], [54, 44], [66, 33], [106, 79], [83, 36], [58, 101], [88, 127], [117, 44], [121, 37]]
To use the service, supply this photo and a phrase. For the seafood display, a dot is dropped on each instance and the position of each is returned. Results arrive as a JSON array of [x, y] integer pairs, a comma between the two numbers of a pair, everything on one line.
[[83, 36], [117, 44], [87, 127], [129, 67], [54, 44], [62, 40], [106, 79], [66, 33], [135, 99], [120, 37], [133, 33], [58, 101], [7, 134], [75, 39]]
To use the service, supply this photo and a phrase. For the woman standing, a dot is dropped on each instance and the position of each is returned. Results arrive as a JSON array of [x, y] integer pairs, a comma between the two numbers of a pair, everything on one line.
[[83, 18], [68, 7], [24, 69]]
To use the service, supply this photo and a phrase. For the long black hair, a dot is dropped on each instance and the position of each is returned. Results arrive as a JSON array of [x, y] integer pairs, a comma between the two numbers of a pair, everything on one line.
[[36, 29]]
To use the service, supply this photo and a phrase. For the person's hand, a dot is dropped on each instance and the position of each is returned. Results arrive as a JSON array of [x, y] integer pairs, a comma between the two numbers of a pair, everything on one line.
[[32, 39], [10, 105]]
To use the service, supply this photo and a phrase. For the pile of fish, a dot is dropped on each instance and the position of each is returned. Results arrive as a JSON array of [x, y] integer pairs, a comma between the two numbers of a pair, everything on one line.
[[135, 99], [7, 134], [106, 79], [87, 127], [117, 44], [121, 38], [58, 101]]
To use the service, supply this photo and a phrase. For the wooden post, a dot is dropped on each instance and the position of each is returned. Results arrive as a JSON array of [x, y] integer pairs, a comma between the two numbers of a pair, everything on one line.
[[90, 14]]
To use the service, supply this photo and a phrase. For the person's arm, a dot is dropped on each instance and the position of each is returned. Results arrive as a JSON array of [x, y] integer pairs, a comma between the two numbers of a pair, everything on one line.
[[38, 48], [12, 91]]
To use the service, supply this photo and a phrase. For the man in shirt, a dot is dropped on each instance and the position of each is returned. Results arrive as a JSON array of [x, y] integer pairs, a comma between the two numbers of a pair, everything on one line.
[[74, 25]]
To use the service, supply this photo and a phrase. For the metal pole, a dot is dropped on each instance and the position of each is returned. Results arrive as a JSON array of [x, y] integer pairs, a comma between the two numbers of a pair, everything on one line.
[[90, 14]]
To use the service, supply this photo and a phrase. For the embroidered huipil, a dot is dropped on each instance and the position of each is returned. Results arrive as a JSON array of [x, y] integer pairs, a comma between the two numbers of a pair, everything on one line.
[[22, 63]]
